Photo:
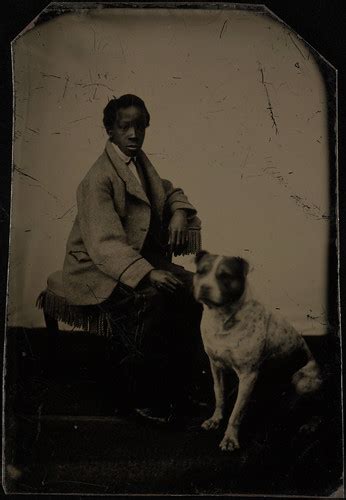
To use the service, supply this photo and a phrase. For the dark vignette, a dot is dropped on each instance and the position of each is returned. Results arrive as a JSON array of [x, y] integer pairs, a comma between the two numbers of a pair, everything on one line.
[[320, 22]]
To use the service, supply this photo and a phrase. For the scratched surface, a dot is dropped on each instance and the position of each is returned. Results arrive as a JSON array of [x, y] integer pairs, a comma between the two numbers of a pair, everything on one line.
[[239, 120]]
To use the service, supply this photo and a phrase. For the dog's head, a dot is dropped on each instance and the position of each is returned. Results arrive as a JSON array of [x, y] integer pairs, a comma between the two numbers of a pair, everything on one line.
[[219, 280]]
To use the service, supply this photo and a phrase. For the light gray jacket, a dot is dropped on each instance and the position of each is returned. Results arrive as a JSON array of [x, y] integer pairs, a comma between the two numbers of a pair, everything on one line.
[[111, 225]]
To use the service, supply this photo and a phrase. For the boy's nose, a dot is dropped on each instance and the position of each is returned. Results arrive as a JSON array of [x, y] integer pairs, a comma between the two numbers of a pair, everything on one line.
[[132, 132]]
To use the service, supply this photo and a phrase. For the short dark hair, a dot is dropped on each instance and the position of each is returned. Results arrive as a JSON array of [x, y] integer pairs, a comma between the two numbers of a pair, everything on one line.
[[125, 101]]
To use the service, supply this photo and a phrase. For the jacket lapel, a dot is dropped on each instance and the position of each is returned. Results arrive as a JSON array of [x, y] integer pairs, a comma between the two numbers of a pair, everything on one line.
[[155, 183], [132, 186]]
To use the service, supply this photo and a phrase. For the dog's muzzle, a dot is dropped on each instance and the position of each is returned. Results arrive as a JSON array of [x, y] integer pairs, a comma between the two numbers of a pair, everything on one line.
[[208, 295]]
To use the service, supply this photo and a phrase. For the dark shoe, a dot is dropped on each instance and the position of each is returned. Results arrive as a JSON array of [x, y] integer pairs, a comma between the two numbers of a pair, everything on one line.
[[190, 407], [163, 416], [175, 414]]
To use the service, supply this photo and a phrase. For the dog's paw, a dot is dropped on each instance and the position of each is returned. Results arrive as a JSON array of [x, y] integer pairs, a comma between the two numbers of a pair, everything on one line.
[[229, 443], [212, 423]]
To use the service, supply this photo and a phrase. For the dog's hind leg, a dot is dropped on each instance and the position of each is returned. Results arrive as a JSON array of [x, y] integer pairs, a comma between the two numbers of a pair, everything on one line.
[[307, 380], [219, 392]]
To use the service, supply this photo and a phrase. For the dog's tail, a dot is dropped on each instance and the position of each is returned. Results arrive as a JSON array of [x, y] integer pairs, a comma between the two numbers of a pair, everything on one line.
[[308, 379]]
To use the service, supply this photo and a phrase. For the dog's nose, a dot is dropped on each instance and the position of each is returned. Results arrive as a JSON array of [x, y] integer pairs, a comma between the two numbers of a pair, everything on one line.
[[205, 289]]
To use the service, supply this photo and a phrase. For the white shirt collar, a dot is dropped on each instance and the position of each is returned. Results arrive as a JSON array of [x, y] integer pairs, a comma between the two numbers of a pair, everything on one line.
[[129, 163], [122, 155]]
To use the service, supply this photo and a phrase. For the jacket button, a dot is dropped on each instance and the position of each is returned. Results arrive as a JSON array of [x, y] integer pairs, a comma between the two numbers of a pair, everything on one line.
[[143, 229]]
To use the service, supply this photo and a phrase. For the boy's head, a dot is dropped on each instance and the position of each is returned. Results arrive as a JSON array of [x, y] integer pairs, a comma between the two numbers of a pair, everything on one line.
[[125, 120]]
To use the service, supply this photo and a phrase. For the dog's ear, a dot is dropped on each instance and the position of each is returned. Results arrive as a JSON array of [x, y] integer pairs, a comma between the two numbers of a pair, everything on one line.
[[244, 265], [200, 255]]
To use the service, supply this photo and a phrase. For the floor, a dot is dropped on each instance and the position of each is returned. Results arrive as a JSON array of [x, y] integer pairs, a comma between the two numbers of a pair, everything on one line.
[[64, 434]]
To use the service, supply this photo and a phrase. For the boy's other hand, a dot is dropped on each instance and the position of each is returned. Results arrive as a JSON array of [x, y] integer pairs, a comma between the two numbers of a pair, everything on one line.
[[177, 230]]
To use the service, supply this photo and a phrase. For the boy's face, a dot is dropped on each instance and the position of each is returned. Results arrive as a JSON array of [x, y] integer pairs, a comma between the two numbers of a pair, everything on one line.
[[128, 131]]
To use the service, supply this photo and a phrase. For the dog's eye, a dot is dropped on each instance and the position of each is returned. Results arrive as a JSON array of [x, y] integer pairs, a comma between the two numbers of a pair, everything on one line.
[[200, 271], [225, 276]]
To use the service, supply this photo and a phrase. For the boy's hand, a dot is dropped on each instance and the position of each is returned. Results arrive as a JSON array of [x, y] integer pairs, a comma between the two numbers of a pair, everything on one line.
[[177, 230], [164, 280]]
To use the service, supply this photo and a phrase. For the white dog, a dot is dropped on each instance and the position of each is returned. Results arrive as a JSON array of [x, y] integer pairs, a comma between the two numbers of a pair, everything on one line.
[[239, 333]]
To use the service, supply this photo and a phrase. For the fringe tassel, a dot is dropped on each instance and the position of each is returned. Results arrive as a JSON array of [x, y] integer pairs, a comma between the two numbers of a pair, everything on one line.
[[88, 318], [194, 243]]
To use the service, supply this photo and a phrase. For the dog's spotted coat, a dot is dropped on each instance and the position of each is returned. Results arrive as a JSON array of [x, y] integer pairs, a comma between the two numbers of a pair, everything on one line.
[[239, 333]]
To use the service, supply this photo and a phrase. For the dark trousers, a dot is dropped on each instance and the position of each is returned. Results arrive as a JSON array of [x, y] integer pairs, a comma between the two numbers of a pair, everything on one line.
[[157, 337]]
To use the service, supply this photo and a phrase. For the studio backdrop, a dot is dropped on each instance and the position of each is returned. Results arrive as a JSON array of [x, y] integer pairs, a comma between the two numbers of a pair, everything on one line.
[[239, 118]]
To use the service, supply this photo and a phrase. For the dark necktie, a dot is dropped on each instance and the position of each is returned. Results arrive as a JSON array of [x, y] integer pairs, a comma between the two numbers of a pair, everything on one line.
[[141, 174], [153, 240]]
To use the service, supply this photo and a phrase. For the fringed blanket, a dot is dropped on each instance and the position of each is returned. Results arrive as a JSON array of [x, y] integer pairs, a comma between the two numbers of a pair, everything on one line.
[[87, 318]]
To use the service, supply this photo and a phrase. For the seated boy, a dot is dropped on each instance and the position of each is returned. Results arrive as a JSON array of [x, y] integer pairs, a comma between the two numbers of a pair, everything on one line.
[[129, 223]]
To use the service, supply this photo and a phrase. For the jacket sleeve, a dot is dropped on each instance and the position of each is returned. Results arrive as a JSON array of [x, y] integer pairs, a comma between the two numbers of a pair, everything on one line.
[[176, 199], [103, 234]]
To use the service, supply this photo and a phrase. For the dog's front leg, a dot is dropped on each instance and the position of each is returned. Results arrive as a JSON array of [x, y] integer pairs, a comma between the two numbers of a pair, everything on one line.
[[219, 392], [247, 382]]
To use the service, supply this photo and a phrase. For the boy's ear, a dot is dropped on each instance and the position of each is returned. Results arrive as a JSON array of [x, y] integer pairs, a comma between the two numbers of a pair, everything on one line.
[[244, 265], [200, 255]]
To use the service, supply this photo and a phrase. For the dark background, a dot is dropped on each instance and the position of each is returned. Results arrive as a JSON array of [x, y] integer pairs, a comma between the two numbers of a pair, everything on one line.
[[320, 22]]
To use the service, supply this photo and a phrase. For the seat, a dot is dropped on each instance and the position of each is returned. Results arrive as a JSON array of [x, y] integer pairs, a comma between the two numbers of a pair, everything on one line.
[[91, 318]]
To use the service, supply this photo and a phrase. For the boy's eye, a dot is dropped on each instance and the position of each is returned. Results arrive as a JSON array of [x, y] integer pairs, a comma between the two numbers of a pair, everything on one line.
[[140, 127], [126, 126]]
